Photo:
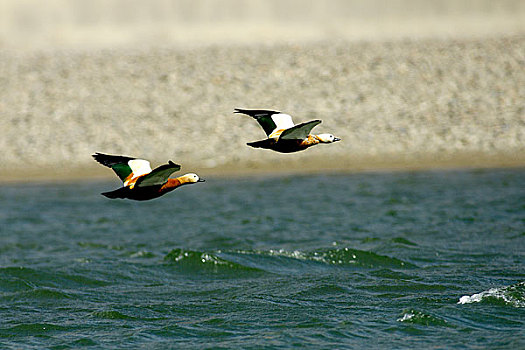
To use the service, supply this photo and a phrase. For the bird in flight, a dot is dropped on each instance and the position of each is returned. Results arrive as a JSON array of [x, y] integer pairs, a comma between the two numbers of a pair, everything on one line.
[[283, 135], [139, 181]]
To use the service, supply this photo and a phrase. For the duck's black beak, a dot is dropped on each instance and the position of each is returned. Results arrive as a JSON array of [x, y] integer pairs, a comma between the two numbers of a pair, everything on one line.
[[201, 180], [337, 139]]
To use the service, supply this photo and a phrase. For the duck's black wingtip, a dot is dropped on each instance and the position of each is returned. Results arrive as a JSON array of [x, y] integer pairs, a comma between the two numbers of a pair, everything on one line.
[[98, 156], [173, 164], [256, 113]]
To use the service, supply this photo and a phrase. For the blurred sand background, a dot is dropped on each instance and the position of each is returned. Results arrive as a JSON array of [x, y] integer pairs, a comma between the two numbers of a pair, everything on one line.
[[407, 84]]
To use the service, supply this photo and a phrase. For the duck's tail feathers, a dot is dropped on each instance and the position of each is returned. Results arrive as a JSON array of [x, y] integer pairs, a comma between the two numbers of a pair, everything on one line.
[[119, 193], [268, 143]]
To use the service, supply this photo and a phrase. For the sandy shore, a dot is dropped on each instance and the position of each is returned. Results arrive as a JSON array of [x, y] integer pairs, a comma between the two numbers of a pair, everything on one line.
[[396, 104]]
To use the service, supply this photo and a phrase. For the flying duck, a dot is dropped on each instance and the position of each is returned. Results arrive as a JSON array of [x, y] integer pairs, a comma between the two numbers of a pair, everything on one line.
[[283, 135], [140, 182]]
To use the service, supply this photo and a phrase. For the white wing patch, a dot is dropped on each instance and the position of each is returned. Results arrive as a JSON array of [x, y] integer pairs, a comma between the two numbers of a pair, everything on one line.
[[139, 167], [282, 122]]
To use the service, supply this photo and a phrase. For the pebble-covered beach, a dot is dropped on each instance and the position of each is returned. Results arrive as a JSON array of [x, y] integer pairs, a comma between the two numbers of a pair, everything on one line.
[[399, 103]]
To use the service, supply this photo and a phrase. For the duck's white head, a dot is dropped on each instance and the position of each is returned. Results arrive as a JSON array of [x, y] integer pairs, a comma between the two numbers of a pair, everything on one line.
[[191, 178], [327, 138]]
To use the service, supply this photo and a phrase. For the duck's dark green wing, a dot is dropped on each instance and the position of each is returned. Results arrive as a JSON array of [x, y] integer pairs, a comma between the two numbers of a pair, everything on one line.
[[119, 164], [299, 131], [263, 117], [158, 176]]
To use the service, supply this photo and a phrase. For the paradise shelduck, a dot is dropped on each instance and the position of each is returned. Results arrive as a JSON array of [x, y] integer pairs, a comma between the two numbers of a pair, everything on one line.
[[283, 135], [140, 182]]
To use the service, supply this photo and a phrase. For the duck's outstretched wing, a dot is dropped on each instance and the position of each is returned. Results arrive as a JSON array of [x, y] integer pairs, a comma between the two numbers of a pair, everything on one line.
[[158, 176], [269, 120], [123, 166], [299, 131]]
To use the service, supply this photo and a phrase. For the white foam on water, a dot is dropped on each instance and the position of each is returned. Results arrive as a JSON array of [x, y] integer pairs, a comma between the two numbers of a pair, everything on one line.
[[509, 294], [475, 298], [406, 317]]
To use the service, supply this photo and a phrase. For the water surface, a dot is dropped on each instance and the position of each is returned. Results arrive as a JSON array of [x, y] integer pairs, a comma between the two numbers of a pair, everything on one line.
[[425, 259]]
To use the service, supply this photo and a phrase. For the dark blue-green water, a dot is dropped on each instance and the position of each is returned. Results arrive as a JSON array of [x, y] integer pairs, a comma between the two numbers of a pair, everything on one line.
[[382, 260]]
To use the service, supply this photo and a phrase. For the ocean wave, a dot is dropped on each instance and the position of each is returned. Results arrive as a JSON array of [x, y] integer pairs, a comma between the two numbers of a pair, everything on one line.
[[112, 315], [16, 279], [279, 260], [513, 295], [37, 294], [339, 257], [421, 318], [196, 259], [347, 256], [31, 329]]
